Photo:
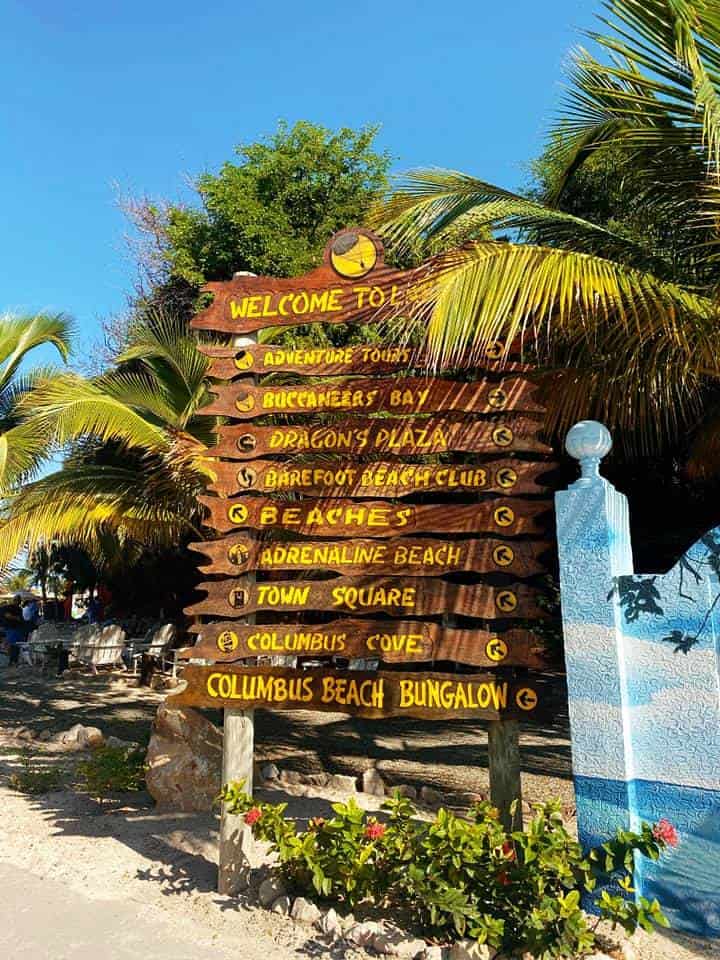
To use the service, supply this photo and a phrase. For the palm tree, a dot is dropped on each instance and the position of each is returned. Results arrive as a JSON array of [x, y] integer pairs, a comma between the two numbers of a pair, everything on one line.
[[22, 450], [632, 338], [134, 450]]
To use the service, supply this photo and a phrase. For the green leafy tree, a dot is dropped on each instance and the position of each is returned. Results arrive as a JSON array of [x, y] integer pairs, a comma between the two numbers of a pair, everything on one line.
[[623, 313]]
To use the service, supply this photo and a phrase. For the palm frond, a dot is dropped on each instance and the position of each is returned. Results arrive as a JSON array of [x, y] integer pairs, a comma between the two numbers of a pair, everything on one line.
[[20, 334]]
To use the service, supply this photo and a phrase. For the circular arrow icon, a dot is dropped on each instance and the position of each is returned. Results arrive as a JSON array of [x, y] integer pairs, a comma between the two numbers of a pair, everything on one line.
[[506, 601], [504, 516], [243, 360], [246, 477], [246, 443], [506, 478], [227, 641], [526, 698], [503, 555], [502, 436], [245, 402], [497, 397], [496, 649], [494, 350], [238, 513]]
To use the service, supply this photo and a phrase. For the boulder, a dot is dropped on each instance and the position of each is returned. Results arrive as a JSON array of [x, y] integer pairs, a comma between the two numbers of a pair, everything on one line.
[[45, 735], [119, 744], [405, 790], [431, 798], [373, 783], [628, 951], [290, 776], [25, 733], [270, 890], [184, 760], [281, 906], [304, 911], [471, 950], [341, 783], [361, 934], [432, 952], [329, 924], [392, 942], [91, 738], [268, 771]]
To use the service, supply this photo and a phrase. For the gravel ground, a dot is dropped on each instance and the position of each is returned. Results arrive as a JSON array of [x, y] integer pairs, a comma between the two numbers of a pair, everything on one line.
[[158, 870]]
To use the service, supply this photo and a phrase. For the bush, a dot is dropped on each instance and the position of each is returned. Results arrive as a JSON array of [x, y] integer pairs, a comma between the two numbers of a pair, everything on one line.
[[458, 877], [112, 770], [35, 780]]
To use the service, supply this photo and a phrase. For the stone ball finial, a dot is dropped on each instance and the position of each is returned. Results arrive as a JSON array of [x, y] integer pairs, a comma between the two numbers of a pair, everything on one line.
[[589, 441]]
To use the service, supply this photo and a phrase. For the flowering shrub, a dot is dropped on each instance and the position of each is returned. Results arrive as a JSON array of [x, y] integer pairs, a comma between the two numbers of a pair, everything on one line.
[[457, 877]]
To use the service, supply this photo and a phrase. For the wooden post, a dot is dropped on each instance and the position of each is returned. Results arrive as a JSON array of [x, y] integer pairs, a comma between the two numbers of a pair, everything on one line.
[[237, 764], [504, 769]]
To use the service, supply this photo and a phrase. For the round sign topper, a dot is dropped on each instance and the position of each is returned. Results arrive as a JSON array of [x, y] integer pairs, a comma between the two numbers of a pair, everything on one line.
[[353, 253]]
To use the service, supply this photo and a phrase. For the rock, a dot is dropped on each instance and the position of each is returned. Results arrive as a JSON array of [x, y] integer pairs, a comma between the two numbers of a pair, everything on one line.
[[341, 783], [184, 760], [432, 952], [268, 771], [329, 924], [430, 797], [91, 737], [392, 942], [44, 735], [69, 736], [281, 906], [317, 779], [471, 950], [598, 956], [271, 889], [405, 790], [25, 733], [373, 783], [119, 744], [290, 776], [361, 934], [628, 951], [304, 911]]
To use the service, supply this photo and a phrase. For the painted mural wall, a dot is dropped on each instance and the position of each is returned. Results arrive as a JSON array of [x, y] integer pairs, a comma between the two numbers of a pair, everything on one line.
[[643, 665]]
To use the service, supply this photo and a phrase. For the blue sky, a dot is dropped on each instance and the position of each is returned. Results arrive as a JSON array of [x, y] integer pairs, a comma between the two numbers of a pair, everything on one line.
[[101, 99]]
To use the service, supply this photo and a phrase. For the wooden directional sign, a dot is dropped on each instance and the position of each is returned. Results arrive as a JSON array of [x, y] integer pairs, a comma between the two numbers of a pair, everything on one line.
[[391, 641], [339, 291], [409, 596], [348, 478], [405, 395], [419, 557], [229, 363], [427, 695], [374, 518], [391, 435]]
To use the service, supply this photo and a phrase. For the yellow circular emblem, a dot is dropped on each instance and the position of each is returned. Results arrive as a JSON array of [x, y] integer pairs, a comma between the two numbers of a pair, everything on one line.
[[506, 601], [496, 649], [239, 554], [245, 403], [237, 513], [246, 443], [504, 516], [353, 254], [243, 360], [502, 436], [239, 597], [526, 698], [227, 641], [503, 555], [246, 477], [497, 397], [506, 478], [493, 351]]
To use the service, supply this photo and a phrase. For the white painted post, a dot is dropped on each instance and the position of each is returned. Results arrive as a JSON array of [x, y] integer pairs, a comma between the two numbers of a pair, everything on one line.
[[237, 764]]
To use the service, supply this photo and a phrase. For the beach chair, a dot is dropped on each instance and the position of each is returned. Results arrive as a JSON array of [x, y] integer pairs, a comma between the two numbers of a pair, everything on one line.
[[96, 646], [157, 643]]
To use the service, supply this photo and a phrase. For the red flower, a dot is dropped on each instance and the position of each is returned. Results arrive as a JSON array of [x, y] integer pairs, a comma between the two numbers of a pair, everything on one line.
[[373, 831], [316, 823], [503, 879], [666, 833], [252, 816], [508, 850]]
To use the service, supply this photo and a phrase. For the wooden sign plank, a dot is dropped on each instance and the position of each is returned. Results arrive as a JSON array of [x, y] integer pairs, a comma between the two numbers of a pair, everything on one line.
[[375, 518], [246, 303], [409, 596], [385, 478], [229, 363], [403, 395], [392, 435], [422, 557], [482, 696], [391, 641]]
